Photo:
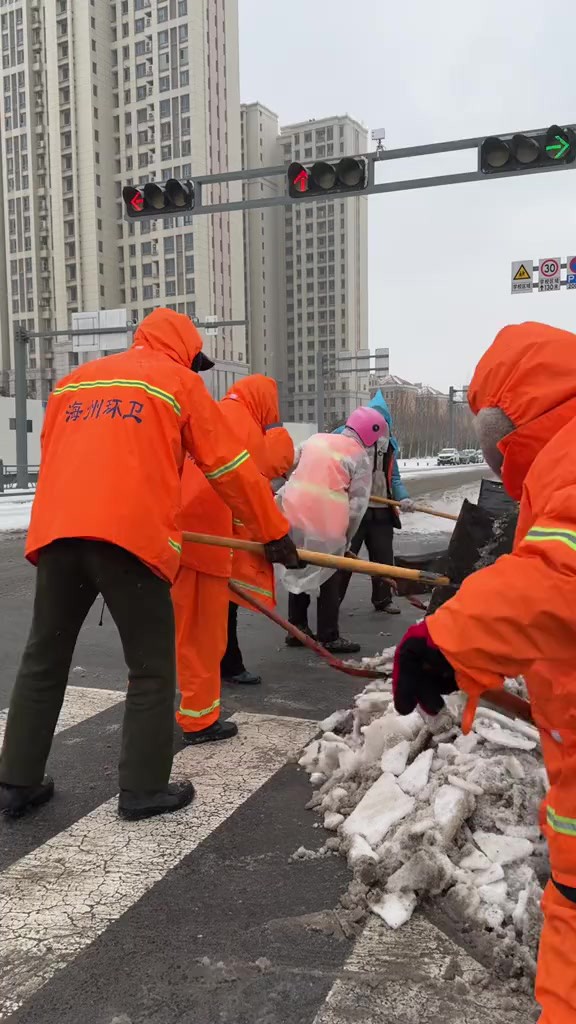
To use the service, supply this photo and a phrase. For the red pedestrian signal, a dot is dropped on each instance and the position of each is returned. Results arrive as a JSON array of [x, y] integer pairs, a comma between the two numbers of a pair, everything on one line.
[[158, 199], [350, 174]]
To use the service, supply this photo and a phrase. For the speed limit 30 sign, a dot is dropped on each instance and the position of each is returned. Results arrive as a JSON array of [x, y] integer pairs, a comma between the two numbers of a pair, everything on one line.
[[549, 272]]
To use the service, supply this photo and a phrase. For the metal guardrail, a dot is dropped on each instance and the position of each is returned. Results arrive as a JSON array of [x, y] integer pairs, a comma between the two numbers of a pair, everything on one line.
[[9, 476]]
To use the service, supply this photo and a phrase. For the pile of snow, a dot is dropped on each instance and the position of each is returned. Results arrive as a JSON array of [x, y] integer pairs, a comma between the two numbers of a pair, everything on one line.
[[423, 812], [15, 511]]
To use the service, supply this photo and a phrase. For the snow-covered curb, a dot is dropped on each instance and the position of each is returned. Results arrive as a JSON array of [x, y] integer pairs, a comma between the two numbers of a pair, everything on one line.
[[424, 813]]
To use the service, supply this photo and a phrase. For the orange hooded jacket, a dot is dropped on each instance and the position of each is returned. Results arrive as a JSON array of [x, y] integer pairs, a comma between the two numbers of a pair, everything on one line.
[[518, 615], [252, 414], [113, 445], [252, 409]]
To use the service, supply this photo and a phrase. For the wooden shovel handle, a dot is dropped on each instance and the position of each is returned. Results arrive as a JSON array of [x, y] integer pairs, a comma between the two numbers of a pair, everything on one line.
[[357, 565], [417, 508]]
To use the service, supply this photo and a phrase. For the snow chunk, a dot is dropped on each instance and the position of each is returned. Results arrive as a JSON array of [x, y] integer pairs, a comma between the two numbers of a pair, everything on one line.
[[317, 779], [447, 751], [394, 760], [336, 720], [415, 778], [395, 909], [332, 820], [382, 806], [359, 849], [494, 893], [495, 873], [503, 849], [451, 808], [427, 871], [466, 744], [475, 861], [503, 737], [470, 787]]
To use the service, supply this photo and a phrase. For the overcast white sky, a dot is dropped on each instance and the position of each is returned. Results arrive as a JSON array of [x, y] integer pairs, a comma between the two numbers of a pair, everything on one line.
[[439, 258]]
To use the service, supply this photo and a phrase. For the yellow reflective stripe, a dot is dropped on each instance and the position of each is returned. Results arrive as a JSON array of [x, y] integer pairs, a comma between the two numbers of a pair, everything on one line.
[[318, 489], [89, 385], [237, 522], [229, 467], [200, 714], [250, 586], [557, 822], [174, 544], [540, 534]]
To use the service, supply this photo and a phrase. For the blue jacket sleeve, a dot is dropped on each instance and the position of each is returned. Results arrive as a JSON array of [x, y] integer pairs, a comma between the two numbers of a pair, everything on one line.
[[398, 490]]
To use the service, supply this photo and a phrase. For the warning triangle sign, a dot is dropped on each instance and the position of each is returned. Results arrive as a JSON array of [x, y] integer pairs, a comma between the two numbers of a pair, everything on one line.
[[521, 274]]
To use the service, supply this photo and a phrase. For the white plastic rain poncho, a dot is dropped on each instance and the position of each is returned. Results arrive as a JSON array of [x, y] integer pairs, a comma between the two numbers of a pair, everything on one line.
[[324, 501]]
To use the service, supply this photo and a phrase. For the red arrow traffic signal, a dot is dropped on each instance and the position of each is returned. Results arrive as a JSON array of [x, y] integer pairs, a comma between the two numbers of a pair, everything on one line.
[[158, 199], [301, 181], [348, 174]]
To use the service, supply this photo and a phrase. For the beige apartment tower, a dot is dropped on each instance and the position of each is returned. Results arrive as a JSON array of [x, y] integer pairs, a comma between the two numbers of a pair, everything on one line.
[[306, 269], [97, 95]]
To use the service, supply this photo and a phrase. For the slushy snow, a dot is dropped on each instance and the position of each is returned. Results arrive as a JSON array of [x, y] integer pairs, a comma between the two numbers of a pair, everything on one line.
[[423, 813]]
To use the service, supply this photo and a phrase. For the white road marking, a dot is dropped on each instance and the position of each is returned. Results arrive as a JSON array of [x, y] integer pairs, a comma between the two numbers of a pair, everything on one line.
[[58, 899], [80, 703], [414, 975]]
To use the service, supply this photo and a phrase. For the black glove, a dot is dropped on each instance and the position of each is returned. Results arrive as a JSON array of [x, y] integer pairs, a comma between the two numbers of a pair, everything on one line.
[[421, 673], [283, 551]]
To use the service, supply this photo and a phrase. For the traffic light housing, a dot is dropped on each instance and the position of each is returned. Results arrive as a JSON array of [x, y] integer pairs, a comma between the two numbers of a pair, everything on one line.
[[350, 174], [523, 152], [158, 199]]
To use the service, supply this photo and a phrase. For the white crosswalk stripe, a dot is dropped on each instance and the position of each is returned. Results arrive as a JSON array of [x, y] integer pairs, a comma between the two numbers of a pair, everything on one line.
[[414, 974], [57, 900], [80, 703]]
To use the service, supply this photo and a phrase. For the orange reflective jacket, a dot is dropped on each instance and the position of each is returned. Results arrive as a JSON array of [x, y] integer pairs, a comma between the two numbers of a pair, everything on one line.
[[113, 446], [203, 511], [518, 615], [253, 412]]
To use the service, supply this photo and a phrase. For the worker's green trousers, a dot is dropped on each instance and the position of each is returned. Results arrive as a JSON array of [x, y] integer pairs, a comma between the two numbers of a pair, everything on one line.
[[71, 574]]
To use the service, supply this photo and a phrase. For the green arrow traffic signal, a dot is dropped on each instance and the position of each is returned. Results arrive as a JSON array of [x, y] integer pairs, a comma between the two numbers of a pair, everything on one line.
[[560, 144]]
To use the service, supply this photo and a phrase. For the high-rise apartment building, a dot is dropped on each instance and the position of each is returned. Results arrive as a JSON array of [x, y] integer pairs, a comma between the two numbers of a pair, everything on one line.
[[306, 269], [264, 247], [97, 94]]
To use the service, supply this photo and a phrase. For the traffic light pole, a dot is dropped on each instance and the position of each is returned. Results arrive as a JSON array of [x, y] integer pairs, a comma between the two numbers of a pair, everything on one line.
[[21, 338], [382, 156]]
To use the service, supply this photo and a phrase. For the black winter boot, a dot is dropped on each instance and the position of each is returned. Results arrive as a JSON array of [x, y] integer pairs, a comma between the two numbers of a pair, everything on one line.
[[218, 731], [18, 800], [136, 806]]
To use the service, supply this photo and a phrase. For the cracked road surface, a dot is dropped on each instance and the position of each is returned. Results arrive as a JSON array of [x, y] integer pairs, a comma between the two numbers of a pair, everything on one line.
[[204, 916]]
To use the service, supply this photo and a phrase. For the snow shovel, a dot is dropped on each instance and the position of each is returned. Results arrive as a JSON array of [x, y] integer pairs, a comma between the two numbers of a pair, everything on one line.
[[305, 640], [357, 565], [501, 699], [417, 508]]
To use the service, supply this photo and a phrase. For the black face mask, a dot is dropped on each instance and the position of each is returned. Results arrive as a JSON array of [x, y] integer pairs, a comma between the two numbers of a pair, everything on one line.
[[201, 362]]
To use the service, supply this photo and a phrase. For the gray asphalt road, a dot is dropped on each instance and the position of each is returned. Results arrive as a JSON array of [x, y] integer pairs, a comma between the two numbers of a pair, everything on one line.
[[205, 918]]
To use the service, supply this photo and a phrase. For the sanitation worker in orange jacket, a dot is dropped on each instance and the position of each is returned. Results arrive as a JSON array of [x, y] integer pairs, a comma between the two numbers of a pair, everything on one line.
[[104, 521], [253, 411], [200, 593], [518, 616]]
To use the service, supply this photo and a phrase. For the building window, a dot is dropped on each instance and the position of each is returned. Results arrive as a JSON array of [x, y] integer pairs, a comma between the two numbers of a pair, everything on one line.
[[162, 14], [182, 8]]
